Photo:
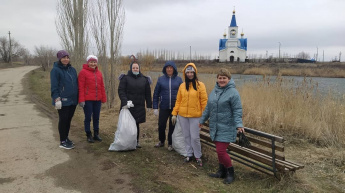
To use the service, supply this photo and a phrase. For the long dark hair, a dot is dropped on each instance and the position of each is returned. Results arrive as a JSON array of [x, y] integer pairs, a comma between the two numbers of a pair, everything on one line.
[[194, 81]]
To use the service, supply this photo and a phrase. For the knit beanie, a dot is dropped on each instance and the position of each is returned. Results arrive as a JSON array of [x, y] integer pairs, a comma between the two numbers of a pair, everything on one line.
[[61, 54], [91, 58], [189, 69]]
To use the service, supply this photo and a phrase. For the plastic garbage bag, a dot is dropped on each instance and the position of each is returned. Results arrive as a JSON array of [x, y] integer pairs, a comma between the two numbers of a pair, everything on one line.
[[126, 134], [178, 139]]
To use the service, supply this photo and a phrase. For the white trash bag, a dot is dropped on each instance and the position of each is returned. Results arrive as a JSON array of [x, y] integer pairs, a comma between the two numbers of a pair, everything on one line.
[[178, 139], [126, 133]]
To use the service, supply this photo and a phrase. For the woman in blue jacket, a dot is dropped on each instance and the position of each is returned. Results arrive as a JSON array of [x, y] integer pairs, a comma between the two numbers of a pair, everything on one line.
[[224, 111], [165, 95], [64, 93]]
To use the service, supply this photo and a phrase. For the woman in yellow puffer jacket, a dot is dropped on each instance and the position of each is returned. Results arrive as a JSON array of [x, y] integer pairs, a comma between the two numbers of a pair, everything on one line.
[[191, 101]]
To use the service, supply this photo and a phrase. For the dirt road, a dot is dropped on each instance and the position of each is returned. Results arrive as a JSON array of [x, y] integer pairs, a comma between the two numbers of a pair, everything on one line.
[[30, 157]]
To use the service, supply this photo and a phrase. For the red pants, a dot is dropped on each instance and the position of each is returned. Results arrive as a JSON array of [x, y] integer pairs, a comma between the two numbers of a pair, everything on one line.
[[223, 156]]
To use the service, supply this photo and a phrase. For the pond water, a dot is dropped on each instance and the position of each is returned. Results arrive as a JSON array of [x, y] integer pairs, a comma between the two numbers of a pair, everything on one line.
[[324, 85]]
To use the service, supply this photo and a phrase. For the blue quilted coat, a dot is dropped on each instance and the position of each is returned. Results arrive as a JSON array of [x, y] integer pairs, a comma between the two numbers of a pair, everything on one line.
[[166, 88], [224, 111]]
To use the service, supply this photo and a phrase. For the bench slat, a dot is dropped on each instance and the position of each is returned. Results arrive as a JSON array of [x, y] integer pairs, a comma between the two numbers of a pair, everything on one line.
[[265, 143]]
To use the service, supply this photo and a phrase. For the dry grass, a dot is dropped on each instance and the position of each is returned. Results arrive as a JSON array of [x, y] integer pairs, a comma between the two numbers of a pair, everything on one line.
[[281, 106], [311, 125]]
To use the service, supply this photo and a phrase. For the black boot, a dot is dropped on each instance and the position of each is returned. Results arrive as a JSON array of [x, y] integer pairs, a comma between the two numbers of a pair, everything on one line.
[[89, 137], [229, 176], [96, 136], [220, 173]]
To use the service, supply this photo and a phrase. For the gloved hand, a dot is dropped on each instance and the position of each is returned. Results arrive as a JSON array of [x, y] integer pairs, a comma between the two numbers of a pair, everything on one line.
[[82, 104], [148, 110], [130, 104], [173, 119], [156, 112], [58, 105]]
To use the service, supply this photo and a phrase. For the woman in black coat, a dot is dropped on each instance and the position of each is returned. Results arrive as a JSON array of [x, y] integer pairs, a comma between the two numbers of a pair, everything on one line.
[[135, 87]]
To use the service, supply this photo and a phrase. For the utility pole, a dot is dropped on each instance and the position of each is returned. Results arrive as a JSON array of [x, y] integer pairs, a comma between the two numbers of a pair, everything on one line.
[[323, 55], [317, 53], [339, 56], [190, 53], [10, 50], [279, 49]]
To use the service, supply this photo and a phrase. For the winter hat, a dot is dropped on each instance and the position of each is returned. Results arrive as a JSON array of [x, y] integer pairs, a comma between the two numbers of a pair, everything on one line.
[[91, 58], [61, 54], [189, 69]]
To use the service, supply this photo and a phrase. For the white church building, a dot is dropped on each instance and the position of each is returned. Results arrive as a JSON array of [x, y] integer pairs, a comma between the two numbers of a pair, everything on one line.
[[232, 49]]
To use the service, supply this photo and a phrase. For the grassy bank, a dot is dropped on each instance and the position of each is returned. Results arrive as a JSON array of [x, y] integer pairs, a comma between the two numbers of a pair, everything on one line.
[[311, 125], [334, 70]]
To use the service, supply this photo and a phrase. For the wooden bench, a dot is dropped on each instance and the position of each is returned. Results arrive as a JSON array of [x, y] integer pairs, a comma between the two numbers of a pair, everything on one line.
[[265, 154]]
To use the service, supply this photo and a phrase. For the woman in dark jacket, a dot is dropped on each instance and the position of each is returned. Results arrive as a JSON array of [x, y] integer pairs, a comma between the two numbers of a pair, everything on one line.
[[64, 93], [165, 95], [135, 87], [91, 96]]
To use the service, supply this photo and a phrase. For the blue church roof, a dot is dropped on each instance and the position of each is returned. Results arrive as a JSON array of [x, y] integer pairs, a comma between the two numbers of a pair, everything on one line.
[[222, 43], [233, 21], [243, 42]]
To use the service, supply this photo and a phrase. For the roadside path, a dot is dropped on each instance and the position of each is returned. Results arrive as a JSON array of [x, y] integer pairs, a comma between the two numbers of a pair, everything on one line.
[[30, 157]]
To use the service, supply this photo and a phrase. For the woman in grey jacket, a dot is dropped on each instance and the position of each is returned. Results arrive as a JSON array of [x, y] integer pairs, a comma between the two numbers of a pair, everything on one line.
[[224, 111]]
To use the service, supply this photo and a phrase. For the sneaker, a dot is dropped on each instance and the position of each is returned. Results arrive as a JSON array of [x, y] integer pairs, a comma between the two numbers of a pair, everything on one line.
[[187, 159], [69, 141], [159, 144], [199, 162], [170, 148], [66, 145]]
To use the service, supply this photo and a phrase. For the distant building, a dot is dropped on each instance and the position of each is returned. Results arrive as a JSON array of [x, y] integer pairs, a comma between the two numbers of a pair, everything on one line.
[[232, 49]]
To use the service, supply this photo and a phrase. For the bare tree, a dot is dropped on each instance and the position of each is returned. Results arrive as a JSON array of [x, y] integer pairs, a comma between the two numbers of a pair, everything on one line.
[[107, 18], [44, 56], [303, 55], [17, 50], [71, 23]]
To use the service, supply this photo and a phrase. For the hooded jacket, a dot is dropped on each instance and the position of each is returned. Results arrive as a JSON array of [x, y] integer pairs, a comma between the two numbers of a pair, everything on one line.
[[224, 111], [137, 89], [190, 103], [91, 85], [166, 88], [64, 84]]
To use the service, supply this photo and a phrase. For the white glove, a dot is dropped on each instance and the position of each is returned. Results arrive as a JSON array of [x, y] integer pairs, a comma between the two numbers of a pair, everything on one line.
[[173, 119], [148, 110], [156, 112], [130, 104], [58, 105], [82, 104]]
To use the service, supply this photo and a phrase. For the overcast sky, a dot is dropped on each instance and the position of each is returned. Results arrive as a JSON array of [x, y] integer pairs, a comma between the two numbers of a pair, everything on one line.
[[175, 25]]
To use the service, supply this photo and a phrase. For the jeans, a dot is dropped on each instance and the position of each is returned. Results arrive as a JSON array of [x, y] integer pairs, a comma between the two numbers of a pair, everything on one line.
[[65, 117], [92, 108], [223, 156], [164, 115]]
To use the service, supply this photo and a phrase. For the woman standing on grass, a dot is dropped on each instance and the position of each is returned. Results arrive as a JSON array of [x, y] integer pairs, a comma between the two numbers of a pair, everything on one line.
[[64, 93], [91, 96], [191, 100], [165, 95], [134, 89], [224, 111]]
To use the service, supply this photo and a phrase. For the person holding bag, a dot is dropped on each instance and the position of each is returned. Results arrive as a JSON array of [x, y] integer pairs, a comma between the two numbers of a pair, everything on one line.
[[190, 102], [64, 93], [91, 96], [224, 111], [134, 90], [165, 95]]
